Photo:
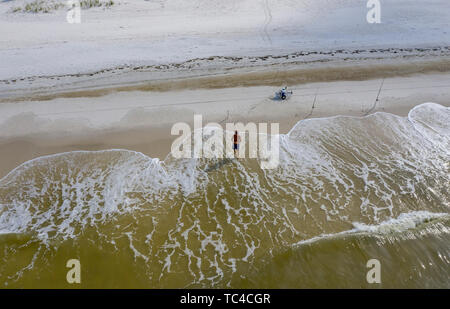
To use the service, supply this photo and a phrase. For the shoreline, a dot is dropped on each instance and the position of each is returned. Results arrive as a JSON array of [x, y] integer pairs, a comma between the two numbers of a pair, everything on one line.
[[112, 122]]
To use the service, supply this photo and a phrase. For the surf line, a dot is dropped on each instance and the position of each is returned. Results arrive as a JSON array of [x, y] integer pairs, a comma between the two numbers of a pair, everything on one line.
[[208, 142]]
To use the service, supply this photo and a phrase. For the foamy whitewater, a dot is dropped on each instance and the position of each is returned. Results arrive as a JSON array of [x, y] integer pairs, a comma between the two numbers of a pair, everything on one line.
[[347, 189]]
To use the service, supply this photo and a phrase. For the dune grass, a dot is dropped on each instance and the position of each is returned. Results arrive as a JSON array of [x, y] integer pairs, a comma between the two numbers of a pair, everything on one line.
[[47, 6]]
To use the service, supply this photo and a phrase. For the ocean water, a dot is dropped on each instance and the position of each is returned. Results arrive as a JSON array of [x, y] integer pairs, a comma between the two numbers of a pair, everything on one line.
[[347, 190]]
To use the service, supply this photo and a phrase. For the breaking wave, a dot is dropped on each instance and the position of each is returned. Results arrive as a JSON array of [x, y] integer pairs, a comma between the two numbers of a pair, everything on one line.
[[217, 222]]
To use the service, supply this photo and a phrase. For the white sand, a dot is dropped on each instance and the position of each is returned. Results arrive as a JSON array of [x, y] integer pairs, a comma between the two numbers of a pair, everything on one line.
[[138, 32], [44, 57]]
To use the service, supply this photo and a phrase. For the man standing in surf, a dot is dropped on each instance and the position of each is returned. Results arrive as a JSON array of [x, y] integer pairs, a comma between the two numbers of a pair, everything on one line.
[[236, 141]]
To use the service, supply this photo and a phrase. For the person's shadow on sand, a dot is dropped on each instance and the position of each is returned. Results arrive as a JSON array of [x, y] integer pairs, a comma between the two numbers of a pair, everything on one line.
[[214, 167]]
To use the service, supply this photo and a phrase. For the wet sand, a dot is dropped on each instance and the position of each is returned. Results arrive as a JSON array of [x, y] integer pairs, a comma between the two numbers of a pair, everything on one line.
[[141, 120], [150, 79]]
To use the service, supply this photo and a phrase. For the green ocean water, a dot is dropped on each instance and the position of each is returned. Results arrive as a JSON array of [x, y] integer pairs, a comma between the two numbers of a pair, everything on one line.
[[346, 190]]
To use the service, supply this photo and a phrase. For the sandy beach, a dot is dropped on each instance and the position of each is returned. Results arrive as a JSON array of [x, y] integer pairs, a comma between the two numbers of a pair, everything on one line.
[[362, 169], [141, 120], [126, 83]]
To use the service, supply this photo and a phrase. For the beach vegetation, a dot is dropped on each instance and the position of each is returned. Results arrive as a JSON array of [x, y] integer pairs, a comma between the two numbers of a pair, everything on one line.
[[47, 6]]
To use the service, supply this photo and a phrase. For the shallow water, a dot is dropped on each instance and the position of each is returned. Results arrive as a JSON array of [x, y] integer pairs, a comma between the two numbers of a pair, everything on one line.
[[347, 190]]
